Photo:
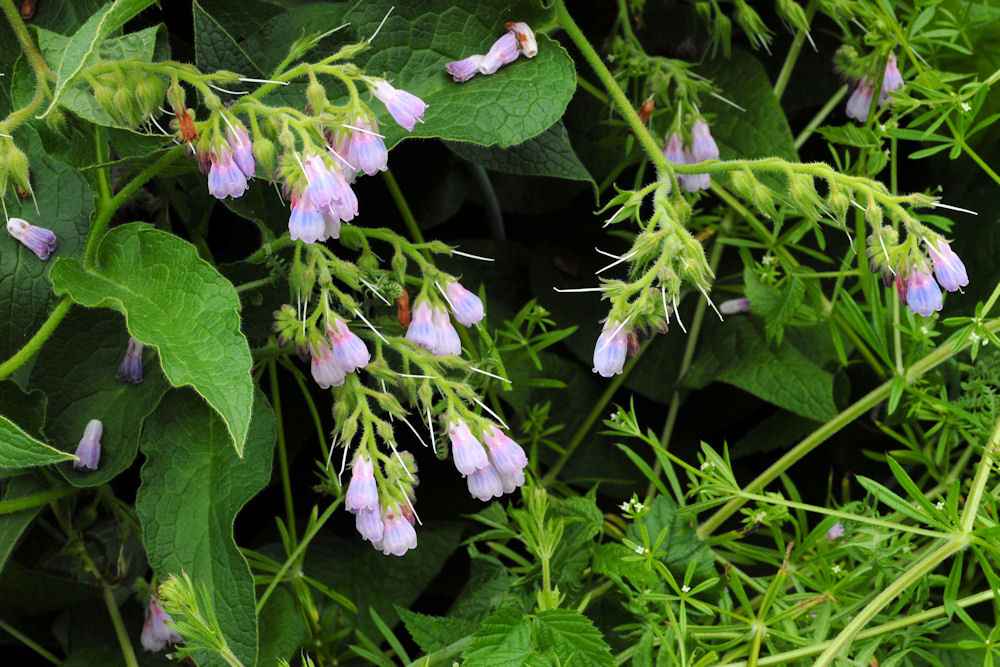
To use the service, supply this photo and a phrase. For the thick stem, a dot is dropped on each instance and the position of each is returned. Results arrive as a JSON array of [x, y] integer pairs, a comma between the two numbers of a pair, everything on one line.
[[34, 56]]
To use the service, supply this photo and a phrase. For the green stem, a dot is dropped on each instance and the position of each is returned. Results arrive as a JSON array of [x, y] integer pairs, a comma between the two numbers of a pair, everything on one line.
[[793, 54], [404, 209], [625, 108], [111, 206], [116, 619], [30, 643], [254, 284], [820, 116], [286, 482], [34, 56], [35, 343], [921, 569], [43, 498], [943, 352], [103, 172], [444, 655], [975, 496]]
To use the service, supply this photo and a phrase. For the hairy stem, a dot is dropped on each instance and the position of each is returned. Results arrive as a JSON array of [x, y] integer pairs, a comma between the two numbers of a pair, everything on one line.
[[35, 343], [793, 54], [31, 51]]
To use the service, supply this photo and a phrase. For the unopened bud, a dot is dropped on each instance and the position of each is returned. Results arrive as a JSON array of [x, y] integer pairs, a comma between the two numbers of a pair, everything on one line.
[[175, 94], [263, 152], [316, 95], [873, 213]]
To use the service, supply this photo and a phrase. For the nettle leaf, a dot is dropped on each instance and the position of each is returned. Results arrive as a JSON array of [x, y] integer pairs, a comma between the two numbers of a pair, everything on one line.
[[175, 301], [65, 203], [432, 633], [737, 353], [76, 370], [193, 485], [87, 39], [572, 639], [504, 639], [548, 154]]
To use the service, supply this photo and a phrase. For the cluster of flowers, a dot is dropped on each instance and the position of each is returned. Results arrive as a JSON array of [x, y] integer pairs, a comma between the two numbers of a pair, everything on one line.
[[318, 183], [519, 39], [860, 102], [913, 280], [431, 328], [702, 148], [155, 633], [346, 353], [389, 528]]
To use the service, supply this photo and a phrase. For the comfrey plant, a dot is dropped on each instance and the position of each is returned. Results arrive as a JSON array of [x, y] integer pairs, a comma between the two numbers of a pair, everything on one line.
[[283, 378]]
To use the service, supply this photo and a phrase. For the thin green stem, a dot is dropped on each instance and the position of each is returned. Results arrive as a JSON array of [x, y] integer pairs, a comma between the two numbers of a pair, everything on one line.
[[975, 496], [404, 209], [254, 284], [793, 54], [103, 172], [43, 498], [35, 343], [116, 619], [30, 643], [943, 352], [444, 655], [820, 116], [286, 482], [31, 51]]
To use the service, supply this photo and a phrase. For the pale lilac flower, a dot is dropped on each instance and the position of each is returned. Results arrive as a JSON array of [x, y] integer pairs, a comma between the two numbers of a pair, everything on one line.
[[369, 524], [306, 222], [948, 267], [674, 149], [225, 178], [130, 369], [366, 151], [485, 483], [609, 353], [398, 535], [326, 371], [446, 340], [835, 531], [155, 633], [507, 456], [923, 295], [892, 81], [503, 52], [331, 226], [343, 205], [421, 330], [468, 453], [322, 185], [406, 108], [525, 38], [693, 182], [467, 307], [38, 240], [860, 102], [242, 149], [735, 306], [703, 146], [88, 452], [463, 70], [340, 145], [362, 492], [511, 482], [349, 350]]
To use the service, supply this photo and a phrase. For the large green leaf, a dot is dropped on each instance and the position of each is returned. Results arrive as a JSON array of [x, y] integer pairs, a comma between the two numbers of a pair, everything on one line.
[[571, 639], [65, 203], [177, 302], [76, 370], [193, 485], [737, 353], [86, 41], [503, 640]]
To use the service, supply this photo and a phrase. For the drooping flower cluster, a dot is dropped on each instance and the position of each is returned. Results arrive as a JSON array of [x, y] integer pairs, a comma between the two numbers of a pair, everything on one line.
[[911, 269], [491, 470], [38, 240], [383, 517], [331, 364], [859, 104], [702, 147], [155, 633], [430, 326], [518, 40], [88, 452]]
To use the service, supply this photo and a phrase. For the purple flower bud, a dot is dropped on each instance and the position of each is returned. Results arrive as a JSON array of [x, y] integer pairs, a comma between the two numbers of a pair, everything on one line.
[[306, 222], [485, 483], [242, 149], [155, 634], [463, 70], [922, 294], [948, 268], [367, 151], [467, 307], [735, 306], [892, 81], [467, 452], [901, 287], [88, 452], [609, 353], [421, 330], [398, 535], [860, 102], [507, 456], [369, 524], [674, 149], [130, 369], [446, 340], [504, 51], [349, 350], [326, 371], [225, 178], [362, 492], [38, 240], [406, 109], [835, 531], [703, 146], [525, 38]]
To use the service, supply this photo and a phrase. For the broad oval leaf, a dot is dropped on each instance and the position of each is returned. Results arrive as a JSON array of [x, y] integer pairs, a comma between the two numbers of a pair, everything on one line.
[[20, 450], [180, 304]]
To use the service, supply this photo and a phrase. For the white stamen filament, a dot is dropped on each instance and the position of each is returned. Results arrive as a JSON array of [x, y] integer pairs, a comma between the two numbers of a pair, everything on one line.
[[623, 258], [430, 427], [386, 18], [858, 205], [885, 252], [479, 370], [152, 119], [471, 256], [608, 221], [441, 289], [341, 158], [811, 42], [614, 333], [363, 130], [343, 464], [415, 515], [580, 289], [6, 136], [953, 208], [231, 92], [606, 253], [709, 299], [677, 314], [372, 288], [363, 319], [422, 442], [729, 102], [302, 166], [414, 375], [663, 295], [329, 455], [246, 79], [400, 459], [386, 391], [494, 415], [315, 40]]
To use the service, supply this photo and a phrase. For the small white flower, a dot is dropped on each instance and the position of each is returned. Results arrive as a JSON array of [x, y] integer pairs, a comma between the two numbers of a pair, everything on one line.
[[614, 416], [758, 517], [939, 505], [966, 107], [768, 259], [705, 465], [685, 589], [624, 506], [835, 569], [638, 507], [640, 549]]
